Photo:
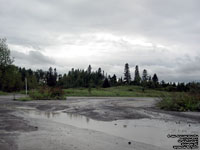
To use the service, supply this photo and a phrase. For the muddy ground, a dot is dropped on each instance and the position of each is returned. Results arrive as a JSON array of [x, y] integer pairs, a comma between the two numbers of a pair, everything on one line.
[[93, 123]]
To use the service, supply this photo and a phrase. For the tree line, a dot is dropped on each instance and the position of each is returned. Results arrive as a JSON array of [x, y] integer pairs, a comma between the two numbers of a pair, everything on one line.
[[12, 78], [145, 80]]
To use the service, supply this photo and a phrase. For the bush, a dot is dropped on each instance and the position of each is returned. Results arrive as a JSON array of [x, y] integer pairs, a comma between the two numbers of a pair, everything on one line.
[[130, 90], [24, 99], [3, 93], [46, 93], [180, 102]]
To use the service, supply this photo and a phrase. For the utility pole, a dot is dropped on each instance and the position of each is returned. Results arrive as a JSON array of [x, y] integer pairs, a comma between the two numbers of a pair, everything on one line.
[[26, 85]]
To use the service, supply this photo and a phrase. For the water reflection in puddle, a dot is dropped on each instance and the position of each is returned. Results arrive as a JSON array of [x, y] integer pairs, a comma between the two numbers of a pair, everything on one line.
[[150, 131]]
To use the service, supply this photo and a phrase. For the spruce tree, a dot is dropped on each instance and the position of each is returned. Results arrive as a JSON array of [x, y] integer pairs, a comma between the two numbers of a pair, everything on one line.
[[127, 75], [106, 83], [89, 70], [144, 75], [144, 79], [137, 78], [155, 78]]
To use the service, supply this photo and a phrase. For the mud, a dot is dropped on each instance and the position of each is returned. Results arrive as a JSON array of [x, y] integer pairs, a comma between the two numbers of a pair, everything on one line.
[[91, 123], [10, 127]]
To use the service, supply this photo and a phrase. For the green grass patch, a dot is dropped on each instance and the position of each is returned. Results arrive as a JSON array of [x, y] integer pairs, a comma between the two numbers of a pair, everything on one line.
[[119, 91], [21, 92], [180, 102], [24, 99], [3, 93]]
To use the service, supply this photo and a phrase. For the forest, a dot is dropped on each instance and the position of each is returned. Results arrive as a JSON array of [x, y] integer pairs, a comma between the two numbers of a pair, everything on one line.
[[12, 78]]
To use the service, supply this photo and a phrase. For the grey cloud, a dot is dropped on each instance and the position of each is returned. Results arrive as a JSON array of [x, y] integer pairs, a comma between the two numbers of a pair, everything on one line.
[[152, 18], [33, 58], [191, 67], [39, 24]]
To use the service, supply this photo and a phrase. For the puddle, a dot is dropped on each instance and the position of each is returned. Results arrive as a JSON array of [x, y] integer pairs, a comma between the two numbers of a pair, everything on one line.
[[150, 131]]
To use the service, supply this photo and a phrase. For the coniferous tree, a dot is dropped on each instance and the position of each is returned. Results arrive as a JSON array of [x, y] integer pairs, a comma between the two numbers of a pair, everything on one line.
[[106, 83], [99, 78], [144, 79], [51, 77], [55, 76], [155, 78], [137, 78], [120, 81], [89, 70], [127, 75], [144, 75], [113, 80]]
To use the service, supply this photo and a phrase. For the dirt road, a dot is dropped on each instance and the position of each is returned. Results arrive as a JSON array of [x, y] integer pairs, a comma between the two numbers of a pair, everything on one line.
[[91, 123]]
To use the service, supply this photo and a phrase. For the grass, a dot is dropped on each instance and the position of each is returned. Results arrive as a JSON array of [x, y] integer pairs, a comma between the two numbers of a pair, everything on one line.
[[3, 93], [180, 102], [25, 99], [47, 94], [119, 91], [21, 92], [174, 101], [44, 93]]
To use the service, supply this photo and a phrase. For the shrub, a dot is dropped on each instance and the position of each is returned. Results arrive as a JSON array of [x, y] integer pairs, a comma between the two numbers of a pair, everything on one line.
[[24, 99], [3, 93], [180, 102], [130, 89], [46, 93]]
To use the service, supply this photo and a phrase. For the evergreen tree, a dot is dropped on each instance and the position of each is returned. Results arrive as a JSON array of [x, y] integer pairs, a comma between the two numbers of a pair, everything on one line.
[[55, 76], [144, 75], [99, 78], [155, 78], [89, 70], [144, 79], [40, 76], [155, 81], [120, 81], [137, 78], [113, 80], [106, 83], [127, 75], [51, 77], [163, 84]]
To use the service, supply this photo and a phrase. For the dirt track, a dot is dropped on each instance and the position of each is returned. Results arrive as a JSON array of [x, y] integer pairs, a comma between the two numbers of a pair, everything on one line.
[[90, 123]]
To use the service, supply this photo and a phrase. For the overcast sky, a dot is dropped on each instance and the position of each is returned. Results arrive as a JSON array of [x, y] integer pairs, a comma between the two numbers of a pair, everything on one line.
[[162, 36]]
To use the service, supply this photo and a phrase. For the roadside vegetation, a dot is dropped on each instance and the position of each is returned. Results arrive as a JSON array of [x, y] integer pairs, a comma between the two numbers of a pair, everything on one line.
[[118, 91], [180, 102], [45, 93], [27, 98], [44, 85], [3, 93]]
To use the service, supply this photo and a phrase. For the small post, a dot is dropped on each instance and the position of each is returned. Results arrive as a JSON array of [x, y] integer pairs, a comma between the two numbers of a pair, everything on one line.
[[26, 85]]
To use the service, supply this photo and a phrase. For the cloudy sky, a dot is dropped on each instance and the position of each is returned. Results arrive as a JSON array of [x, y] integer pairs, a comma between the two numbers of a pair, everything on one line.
[[162, 36]]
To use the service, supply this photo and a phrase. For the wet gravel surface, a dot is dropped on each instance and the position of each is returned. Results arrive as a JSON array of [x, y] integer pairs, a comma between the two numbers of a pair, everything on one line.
[[16, 125]]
